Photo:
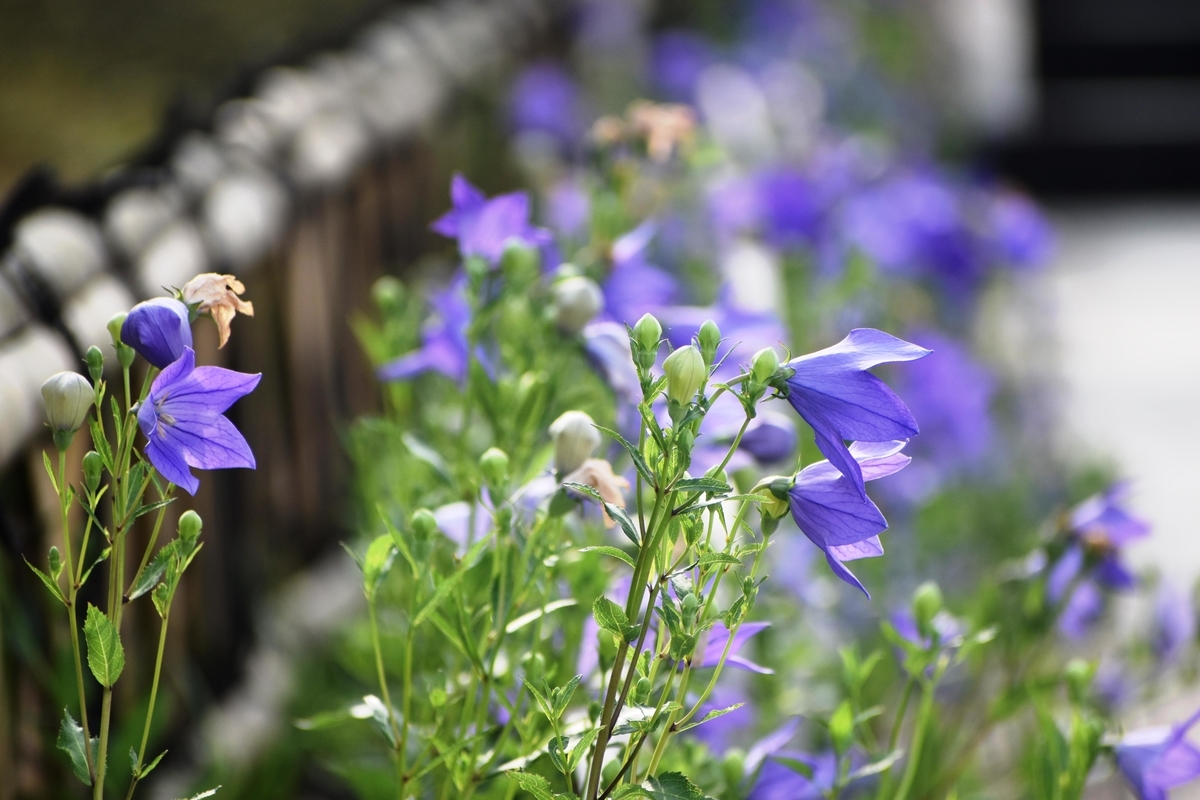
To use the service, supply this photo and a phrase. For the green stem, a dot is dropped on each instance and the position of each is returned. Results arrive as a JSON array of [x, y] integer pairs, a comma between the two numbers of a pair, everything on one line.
[[65, 504], [105, 715], [383, 690], [924, 714], [158, 661], [885, 782]]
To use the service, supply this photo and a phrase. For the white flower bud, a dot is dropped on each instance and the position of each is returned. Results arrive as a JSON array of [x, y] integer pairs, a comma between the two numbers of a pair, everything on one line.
[[68, 397], [685, 372], [575, 439], [577, 300]]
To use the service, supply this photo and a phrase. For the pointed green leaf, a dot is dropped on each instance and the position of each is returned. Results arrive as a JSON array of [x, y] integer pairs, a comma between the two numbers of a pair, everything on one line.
[[617, 513], [377, 562], [875, 767], [70, 741], [50, 471], [100, 444], [51, 584], [537, 613], [439, 594], [105, 655], [639, 462], [608, 550], [154, 571], [423, 452], [712, 557], [609, 616], [203, 795], [673, 786], [720, 712], [536, 785], [581, 748], [703, 484], [562, 696]]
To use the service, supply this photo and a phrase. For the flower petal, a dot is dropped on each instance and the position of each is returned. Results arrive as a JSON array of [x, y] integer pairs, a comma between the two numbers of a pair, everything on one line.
[[830, 510], [212, 443], [170, 464]]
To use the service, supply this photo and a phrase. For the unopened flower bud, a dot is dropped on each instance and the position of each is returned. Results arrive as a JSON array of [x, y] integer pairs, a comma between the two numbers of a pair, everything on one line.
[[1078, 674], [92, 464], [520, 261], [388, 293], [423, 523], [575, 439], [68, 397], [54, 561], [685, 372], [158, 330], [95, 362], [647, 334], [189, 527], [641, 691], [927, 602], [764, 364], [709, 338], [577, 301], [114, 327], [734, 767], [493, 464], [689, 606]]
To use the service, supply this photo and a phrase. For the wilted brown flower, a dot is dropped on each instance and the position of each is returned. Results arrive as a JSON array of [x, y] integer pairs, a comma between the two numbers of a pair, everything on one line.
[[217, 296], [666, 126], [598, 474], [608, 130]]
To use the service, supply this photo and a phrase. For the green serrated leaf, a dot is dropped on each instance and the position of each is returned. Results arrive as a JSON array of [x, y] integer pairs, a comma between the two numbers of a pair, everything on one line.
[[639, 462], [627, 792], [713, 557], [673, 786], [50, 583], [148, 768], [536, 785], [703, 484], [615, 512], [70, 741], [608, 550], [562, 696], [609, 616], [537, 613], [50, 471], [203, 795], [106, 657], [100, 444], [154, 570], [670, 616], [581, 748], [557, 748], [719, 712]]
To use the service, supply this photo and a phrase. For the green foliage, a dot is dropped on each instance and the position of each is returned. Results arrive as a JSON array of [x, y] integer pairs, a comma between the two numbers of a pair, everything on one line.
[[105, 655]]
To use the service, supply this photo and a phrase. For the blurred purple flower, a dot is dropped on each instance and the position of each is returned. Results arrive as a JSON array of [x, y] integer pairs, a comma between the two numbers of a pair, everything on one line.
[[443, 340], [184, 424], [778, 781], [946, 625], [483, 227], [790, 206], [721, 733], [1103, 519], [607, 347], [1021, 234], [1081, 610], [835, 515], [635, 286], [678, 58], [568, 208], [951, 394], [158, 330], [454, 521], [714, 645], [832, 390], [546, 99], [1174, 623], [1112, 685], [1154, 760]]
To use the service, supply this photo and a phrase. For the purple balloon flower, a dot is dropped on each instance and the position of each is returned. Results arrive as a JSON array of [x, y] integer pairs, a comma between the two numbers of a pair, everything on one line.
[[183, 420], [1020, 232], [778, 781], [676, 63], [635, 286], [831, 511], [483, 227], [443, 341], [714, 646], [1174, 623], [1154, 760], [791, 207], [607, 347], [545, 99], [158, 330], [832, 390]]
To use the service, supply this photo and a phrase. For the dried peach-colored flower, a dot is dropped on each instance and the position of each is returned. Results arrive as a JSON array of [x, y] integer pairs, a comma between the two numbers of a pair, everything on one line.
[[217, 296], [608, 131], [666, 126], [598, 474]]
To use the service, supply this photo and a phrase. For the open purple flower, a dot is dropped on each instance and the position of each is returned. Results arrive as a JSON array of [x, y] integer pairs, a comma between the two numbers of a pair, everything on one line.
[[778, 781], [443, 341], [714, 646], [1174, 623], [832, 390], [158, 330], [607, 347], [545, 99], [1154, 760], [831, 511], [483, 227], [183, 420]]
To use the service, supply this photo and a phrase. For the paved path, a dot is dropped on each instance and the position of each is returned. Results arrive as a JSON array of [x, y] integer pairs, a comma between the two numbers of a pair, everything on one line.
[[1126, 291]]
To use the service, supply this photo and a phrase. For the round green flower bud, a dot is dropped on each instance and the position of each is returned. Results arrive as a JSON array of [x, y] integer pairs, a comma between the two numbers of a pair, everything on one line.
[[575, 439], [92, 464], [423, 523], [95, 362], [689, 606], [764, 364], [388, 293], [709, 338], [114, 327], [493, 464], [734, 767], [927, 602], [648, 333], [68, 397], [685, 370], [577, 300], [641, 691], [1078, 674], [189, 527]]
